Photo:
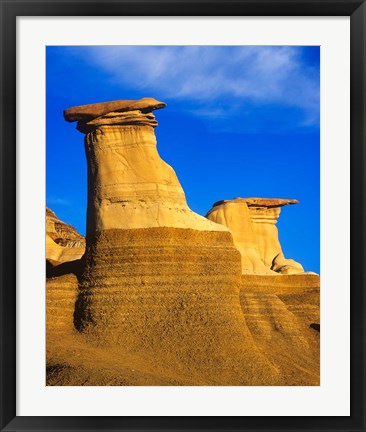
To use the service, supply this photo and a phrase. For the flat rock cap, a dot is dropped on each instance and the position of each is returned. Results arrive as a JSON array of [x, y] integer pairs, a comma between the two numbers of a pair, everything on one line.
[[89, 112], [260, 202]]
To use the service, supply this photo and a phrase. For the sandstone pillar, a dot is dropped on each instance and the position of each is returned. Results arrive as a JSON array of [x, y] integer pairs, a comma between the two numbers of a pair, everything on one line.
[[236, 216], [264, 213], [252, 222], [129, 185], [160, 281]]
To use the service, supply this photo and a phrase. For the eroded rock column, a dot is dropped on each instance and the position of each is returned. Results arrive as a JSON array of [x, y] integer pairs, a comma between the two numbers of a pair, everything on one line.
[[236, 216], [159, 281], [252, 222], [129, 185], [264, 213]]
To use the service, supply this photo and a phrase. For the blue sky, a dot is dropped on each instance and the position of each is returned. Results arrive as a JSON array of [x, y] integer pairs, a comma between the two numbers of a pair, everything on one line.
[[241, 121]]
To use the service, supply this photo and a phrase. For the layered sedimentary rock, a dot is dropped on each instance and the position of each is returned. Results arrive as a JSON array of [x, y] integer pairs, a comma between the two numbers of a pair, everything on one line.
[[159, 280], [300, 293], [264, 213], [252, 222], [61, 297], [129, 185], [283, 316], [282, 312], [63, 242], [64, 248], [235, 215]]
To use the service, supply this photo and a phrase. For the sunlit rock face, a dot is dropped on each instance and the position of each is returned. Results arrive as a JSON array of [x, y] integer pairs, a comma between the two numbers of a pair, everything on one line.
[[282, 314], [63, 242], [60, 305], [129, 185], [64, 248], [264, 213], [236, 216], [159, 281], [252, 222]]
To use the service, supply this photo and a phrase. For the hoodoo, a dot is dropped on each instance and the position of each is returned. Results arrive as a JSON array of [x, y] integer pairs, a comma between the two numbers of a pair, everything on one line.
[[252, 222], [159, 281], [129, 185]]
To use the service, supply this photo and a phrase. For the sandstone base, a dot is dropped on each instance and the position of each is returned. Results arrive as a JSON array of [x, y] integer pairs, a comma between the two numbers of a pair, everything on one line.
[[282, 314], [171, 316], [171, 294]]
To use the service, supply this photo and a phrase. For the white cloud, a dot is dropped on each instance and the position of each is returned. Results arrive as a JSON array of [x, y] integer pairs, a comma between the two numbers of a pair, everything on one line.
[[231, 76]]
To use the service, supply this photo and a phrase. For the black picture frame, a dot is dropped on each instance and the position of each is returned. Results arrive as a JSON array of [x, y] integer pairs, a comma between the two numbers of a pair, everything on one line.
[[10, 9]]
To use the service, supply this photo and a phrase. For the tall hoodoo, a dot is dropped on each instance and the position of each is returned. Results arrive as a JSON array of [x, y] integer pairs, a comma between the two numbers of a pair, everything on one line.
[[129, 185], [252, 222], [63, 242], [264, 213], [159, 281]]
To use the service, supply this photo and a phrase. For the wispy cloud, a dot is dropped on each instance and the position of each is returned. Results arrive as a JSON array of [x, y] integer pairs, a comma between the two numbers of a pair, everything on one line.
[[216, 79], [58, 201]]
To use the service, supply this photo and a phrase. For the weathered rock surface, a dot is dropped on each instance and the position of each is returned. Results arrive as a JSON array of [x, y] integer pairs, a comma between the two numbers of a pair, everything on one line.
[[252, 222], [172, 294], [264, 214], [84, 113], [282, 314], [235, 215], [60, 305], [63, 242], [129, 185]]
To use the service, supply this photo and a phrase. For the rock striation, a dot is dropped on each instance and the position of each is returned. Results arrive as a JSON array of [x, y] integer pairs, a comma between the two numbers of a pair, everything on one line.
[[129, 185], [252, 222], [63, 242], [283, 316], [61, 296], [64, 248]]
